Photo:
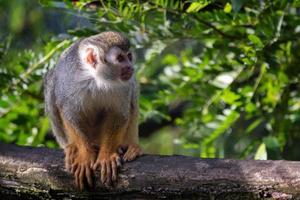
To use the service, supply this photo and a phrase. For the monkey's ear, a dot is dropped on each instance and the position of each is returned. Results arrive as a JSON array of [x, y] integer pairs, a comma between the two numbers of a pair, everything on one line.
[[91, 58]]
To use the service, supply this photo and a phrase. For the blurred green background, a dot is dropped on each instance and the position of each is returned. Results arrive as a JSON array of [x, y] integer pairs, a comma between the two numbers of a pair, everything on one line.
[[217, 78]]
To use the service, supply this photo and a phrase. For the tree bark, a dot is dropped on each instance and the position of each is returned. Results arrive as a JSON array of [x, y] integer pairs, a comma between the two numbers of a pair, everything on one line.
[[31, 173]]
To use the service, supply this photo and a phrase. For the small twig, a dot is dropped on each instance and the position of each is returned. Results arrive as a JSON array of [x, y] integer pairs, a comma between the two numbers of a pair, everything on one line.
[[44, 59], [30, 70], [215, 28]]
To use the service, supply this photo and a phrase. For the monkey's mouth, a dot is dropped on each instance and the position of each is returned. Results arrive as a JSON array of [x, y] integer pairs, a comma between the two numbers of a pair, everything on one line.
[[126, 73]]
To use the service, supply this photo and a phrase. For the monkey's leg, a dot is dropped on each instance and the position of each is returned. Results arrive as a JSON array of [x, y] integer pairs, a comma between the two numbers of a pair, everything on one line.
[[131, 138], [80, 156]]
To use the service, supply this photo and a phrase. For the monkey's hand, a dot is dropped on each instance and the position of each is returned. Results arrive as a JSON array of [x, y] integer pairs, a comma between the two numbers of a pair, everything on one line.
[[79, 162], [132, 151], [108, 164]]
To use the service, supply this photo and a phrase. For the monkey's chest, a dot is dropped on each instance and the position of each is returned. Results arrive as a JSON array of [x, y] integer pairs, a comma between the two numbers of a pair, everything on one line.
[[107, 110], [105, 122]]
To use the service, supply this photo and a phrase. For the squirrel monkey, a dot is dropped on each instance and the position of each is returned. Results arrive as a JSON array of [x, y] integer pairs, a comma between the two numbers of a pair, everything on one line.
[[91, 98]]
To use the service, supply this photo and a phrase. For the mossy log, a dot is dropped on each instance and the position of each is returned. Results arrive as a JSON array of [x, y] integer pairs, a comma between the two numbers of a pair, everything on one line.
[[38, 173]]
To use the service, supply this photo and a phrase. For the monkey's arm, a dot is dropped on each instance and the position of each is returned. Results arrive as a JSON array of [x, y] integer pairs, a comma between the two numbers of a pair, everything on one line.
[[80, 155], [110, 137], [132, 135], [131, 139]]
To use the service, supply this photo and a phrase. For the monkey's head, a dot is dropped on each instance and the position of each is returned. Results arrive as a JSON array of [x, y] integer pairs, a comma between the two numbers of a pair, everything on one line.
[[107, 57]]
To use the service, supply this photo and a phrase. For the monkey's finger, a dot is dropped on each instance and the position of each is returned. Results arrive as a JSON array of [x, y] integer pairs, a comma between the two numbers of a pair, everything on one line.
[[96, 166], [103, 172], [108, 173], [77, 177], [73, 151], [67, 164], [74, 168], [128, 152], [66, 154], [128, 155], [71, 159], [88, 174], [67, 158], [67, 161], [114, 171], [68, 167], [135, 153], [125, 158], [131, 156], [81, 178], [93, 160], [76, 182]]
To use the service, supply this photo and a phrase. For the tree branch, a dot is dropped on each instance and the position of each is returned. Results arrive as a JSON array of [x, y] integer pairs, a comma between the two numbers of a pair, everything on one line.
[[27, 172]]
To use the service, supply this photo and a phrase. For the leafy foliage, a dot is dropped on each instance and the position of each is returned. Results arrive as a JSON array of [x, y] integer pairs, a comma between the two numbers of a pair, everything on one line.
[[233, 64]]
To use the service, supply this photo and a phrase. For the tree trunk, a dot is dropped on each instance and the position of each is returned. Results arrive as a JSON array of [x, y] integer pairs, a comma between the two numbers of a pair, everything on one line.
[[31, 173]]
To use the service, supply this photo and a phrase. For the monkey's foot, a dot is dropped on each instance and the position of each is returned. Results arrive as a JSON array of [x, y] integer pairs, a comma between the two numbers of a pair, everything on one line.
[[133, 151], [80, 165], [108, 164]]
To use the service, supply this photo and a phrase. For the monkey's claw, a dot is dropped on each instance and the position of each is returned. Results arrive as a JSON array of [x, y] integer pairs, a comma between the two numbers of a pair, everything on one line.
[[108, 165], [133, 151]]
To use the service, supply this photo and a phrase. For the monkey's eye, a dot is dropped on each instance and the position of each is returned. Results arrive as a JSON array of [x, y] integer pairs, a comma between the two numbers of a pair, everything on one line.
[[120, 58], [129, 55]]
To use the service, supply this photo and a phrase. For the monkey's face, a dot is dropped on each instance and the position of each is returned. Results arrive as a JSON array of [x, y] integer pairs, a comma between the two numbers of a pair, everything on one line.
[[117, 65], [113, 65]]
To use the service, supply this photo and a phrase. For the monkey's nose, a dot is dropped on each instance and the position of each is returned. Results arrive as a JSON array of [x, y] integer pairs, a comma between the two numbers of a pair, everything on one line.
[[126, 72]]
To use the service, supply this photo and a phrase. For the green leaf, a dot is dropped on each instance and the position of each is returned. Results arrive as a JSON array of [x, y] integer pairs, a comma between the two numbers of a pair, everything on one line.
[[4, 104], [250, 107], [261, 153], [196, 6], [229, 96], [256, 41], [229, 120], [227, 8], [17, 21], [253, 125], [170, 59]]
